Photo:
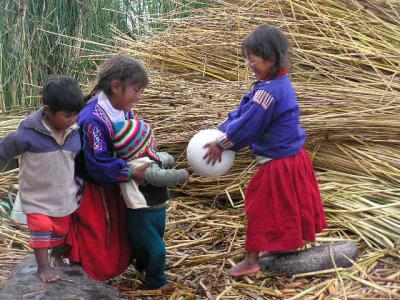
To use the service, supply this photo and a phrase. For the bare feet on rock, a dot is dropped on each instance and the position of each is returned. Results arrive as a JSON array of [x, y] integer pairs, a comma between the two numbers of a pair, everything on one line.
[[246, 267], [45, 271], [48, 275]]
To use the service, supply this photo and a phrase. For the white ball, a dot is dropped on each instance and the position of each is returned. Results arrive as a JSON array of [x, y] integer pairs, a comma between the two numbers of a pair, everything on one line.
[[196, 152]]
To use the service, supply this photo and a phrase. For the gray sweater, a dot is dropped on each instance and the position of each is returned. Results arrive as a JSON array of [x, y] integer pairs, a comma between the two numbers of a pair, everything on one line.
[[47, 171]]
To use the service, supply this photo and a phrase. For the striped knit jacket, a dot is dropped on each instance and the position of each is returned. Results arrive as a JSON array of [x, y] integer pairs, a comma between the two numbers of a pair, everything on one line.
[[133, 141]]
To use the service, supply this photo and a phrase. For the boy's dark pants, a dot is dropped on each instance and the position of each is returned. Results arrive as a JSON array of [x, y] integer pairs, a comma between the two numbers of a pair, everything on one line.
[[146, 231]]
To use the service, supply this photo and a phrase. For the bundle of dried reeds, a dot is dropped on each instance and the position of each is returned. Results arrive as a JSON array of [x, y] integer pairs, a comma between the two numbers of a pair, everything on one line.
[[379, 162], [9, 122], [341, 40], [363, 206], [179, 108]]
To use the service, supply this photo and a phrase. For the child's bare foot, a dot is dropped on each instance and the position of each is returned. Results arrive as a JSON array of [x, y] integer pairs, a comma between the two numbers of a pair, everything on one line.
[[45, 272], [245, 267], [48, 275]]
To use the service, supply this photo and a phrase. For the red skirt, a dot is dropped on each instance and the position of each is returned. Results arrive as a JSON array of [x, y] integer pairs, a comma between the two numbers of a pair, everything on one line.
[[99, 237], [283, 205]]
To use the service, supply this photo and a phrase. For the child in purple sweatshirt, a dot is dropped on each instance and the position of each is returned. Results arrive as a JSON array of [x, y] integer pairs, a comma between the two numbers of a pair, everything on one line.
[[282, 202]]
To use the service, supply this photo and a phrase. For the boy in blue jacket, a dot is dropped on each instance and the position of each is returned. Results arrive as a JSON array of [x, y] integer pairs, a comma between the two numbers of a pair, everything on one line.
[[48, 141]]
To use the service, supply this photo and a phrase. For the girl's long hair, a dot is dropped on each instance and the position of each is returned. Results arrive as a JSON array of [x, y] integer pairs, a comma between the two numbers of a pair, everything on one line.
[[119, 67], [268, 42]]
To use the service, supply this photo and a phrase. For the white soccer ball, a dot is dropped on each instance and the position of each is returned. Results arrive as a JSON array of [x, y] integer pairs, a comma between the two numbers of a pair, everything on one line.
[[195, 153]]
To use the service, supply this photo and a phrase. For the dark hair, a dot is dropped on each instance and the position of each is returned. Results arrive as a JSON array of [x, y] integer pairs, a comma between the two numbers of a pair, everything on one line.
[[123, 68], [267, 42], [62, 93]]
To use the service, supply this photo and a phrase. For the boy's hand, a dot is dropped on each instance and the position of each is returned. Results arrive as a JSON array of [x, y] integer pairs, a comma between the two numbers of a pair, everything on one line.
[[214, 153]]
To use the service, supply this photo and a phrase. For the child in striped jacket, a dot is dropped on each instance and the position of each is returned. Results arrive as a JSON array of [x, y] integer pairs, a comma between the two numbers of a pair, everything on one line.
[[134, 142]]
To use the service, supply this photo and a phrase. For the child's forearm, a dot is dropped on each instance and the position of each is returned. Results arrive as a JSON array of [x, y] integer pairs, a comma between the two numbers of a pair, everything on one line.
[[161, 177]]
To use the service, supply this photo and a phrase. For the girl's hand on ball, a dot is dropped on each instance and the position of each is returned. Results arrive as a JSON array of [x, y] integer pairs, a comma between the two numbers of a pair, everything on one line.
[[203, 152], [213, 154]]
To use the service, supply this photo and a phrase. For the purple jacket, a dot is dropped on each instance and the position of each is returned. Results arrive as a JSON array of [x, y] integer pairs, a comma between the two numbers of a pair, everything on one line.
[[97, 161], [267, 120]]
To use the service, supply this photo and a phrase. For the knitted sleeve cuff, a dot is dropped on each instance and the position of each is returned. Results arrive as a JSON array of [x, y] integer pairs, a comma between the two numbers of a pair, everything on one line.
[[166, 159], [224, 142], [162, 177]]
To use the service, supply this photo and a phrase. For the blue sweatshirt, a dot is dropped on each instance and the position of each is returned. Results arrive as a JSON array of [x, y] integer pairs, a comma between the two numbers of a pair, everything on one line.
[[267, 120]]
